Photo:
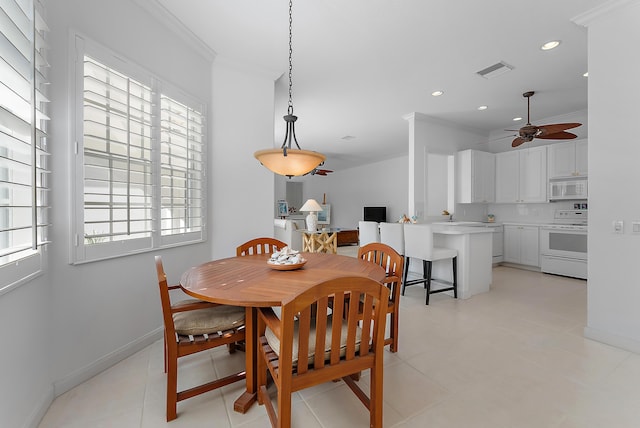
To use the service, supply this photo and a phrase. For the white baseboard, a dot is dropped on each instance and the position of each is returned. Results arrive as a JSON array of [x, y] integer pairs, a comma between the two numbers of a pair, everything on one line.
[[87, 372], [39, 409], [612, 339]]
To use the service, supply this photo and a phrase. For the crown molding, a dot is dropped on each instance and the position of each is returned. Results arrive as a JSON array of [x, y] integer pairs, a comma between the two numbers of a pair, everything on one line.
[[587, 18], [169, 20]]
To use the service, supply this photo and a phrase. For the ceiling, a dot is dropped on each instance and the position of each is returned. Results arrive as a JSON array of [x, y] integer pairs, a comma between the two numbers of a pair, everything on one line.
[[360, 66]]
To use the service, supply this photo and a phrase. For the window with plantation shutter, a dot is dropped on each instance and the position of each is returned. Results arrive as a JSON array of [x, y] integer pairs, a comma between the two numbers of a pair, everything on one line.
[[181, 165], [139, 169], [24, 177], [117, 155]]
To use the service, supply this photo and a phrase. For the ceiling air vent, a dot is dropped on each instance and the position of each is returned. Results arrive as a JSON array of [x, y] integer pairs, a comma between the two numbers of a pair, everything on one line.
[[494, 70]]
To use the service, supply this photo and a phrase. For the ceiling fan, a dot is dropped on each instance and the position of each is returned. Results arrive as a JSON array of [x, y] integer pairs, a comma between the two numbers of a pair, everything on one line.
[[317, 171], [546, 132]]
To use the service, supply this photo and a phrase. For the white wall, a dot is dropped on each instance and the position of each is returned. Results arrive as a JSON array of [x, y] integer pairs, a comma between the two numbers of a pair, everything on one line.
[[241, 197], [428, 135], [614, 271], [25, 359], [377, 184], [104, 311]]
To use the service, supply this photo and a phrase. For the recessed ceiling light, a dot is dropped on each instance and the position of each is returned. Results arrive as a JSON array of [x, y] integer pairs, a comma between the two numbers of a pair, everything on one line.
[[515, 119], [586, 74], [483, 107], [437, 93], [550, 45]]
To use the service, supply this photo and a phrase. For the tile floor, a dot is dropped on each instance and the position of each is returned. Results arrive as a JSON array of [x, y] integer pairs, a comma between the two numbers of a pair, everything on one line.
[[513, 357]]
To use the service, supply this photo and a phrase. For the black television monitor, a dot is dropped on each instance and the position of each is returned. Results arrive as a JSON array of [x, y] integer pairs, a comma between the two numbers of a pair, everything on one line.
[[378, 214]]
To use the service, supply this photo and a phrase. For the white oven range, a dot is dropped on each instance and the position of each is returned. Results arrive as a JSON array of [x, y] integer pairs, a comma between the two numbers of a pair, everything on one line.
[[563, 244]]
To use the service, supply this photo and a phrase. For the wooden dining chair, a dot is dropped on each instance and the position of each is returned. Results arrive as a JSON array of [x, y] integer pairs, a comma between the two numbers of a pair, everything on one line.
[[393, 263], [349, 344], [260, 246], [192, 326]]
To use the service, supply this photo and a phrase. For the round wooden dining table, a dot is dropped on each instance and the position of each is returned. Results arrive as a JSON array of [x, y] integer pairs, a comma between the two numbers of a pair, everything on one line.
[[250, 282]]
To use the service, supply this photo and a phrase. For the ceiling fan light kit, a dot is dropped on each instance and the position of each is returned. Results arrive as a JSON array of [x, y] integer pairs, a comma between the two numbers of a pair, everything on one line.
[[555, 131], [287, 160]]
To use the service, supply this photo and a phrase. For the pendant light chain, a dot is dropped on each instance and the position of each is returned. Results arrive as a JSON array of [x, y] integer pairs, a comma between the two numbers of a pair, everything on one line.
[[290, 108], [287, 160]]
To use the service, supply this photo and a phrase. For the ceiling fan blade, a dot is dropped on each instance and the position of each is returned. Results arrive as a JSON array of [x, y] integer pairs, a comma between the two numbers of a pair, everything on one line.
[[555, 128], [517, 142], [323, 171], [558, 136]]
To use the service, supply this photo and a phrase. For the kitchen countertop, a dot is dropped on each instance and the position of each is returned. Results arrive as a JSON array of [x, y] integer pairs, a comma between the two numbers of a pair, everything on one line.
[[468, 223], [452, 229]]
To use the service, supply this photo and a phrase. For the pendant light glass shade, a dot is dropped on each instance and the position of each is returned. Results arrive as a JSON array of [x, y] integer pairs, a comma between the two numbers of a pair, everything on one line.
[[296, 162]]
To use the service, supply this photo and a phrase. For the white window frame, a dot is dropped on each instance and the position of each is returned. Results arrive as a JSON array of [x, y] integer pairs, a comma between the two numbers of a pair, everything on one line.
[[82, 251], [21, 263]]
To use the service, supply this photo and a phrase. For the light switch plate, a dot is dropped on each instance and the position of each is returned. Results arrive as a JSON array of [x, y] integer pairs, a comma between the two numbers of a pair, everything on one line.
[[618, 226]]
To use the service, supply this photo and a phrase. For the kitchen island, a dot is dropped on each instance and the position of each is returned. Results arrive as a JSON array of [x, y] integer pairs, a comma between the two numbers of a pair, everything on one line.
[[474, 245]]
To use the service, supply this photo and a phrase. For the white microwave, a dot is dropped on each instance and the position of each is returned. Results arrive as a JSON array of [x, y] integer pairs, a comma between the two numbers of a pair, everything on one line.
[[568, 189]]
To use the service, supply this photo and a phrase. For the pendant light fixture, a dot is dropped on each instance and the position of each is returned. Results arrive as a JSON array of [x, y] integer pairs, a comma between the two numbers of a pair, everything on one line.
[[286, 160]]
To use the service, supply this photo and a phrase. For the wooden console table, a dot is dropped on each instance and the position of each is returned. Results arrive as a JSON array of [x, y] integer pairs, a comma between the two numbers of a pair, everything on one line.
[[319, 242], [347, 237]]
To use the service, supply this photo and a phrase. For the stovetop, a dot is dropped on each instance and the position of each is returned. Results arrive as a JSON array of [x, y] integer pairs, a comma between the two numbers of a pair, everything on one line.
[[570, 220]]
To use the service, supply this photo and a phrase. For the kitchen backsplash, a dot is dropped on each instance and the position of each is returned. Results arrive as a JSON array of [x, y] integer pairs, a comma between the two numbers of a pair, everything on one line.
[[527, 213]]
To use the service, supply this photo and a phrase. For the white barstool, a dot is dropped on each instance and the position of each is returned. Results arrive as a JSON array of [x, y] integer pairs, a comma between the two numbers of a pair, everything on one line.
[[368, 232], [418, 244], [392, 234]]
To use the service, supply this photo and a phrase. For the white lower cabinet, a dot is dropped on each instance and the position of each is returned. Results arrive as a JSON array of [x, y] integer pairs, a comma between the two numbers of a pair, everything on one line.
[[521, 245]]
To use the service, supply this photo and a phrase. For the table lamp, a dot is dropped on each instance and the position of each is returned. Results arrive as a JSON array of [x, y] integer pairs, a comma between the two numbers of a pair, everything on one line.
[[312, 207]]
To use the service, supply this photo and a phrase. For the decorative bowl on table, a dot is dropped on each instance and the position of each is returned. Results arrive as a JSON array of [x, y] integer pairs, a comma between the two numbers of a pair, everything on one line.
[[286, 259]]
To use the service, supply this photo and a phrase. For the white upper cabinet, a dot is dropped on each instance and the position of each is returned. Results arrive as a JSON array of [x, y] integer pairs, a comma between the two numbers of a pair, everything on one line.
[[568, 159], [475, 177], [521, 176]]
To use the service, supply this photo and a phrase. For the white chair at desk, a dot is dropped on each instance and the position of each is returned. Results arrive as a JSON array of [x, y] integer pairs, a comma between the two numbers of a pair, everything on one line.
[[418, 244], [368, 232], [392, 234]]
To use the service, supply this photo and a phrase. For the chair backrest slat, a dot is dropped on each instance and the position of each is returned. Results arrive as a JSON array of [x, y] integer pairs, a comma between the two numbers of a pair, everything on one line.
[[336, 326], [304, 328], [352, 327], [264, 245]]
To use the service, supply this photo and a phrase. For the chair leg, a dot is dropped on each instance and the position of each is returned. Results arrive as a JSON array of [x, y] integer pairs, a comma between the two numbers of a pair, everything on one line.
[[394, 332], [405, 274], [428, 278], [172, 386], [424, 273], [376, 398], [284, 406], [455, 277]]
